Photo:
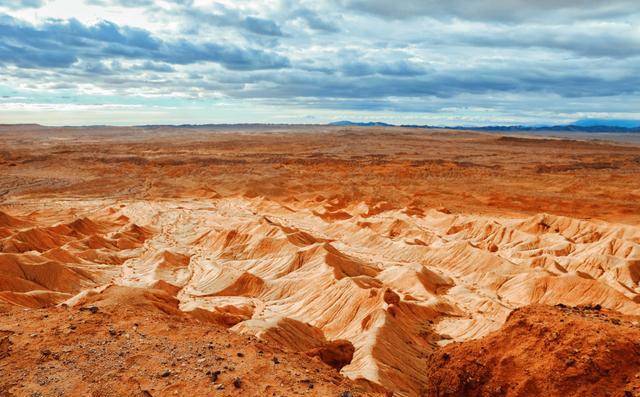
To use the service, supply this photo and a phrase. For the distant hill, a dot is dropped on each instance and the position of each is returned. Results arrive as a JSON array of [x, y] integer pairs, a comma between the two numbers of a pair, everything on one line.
[[565, 128], [608, 122], [366, 124], [586, 125]]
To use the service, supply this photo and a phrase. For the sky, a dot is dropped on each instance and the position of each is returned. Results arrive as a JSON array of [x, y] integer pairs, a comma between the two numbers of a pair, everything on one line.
[[455, 62]]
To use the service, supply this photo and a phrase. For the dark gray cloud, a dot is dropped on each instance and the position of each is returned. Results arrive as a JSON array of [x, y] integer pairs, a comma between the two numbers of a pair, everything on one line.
[[62, 43]]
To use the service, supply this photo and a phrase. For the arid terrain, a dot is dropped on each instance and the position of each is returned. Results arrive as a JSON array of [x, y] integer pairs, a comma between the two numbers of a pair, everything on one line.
[[259, 261]]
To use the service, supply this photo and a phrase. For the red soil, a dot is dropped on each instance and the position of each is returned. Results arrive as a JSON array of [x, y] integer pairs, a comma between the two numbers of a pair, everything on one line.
[[544, 351]]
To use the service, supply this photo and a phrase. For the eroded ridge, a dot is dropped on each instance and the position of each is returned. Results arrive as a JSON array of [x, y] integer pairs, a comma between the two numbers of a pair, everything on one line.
[[384, 287]]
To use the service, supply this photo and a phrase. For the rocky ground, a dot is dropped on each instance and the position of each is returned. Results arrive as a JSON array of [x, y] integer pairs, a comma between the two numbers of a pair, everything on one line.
[[133, 342], [316, 260], [544, 351]]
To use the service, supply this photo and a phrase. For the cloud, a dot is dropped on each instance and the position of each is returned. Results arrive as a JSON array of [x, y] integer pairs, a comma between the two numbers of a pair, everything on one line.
[[315, 21], [261, 26], [59, 43], [509, 58], [398, 69], [18, 4], [619, 40], [496, 10], [130, 3], [223, 16]]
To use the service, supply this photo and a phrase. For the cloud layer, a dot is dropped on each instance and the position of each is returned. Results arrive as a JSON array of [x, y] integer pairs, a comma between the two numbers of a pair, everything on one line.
[[457, 62]]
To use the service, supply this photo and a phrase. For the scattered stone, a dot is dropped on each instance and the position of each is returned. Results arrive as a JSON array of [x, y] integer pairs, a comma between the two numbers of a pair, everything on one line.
[[91, 309], [214, 375], [239, 354], [346, 394], [309, 383], [237, 383], [570, 362], [275, 360], [165, 373]]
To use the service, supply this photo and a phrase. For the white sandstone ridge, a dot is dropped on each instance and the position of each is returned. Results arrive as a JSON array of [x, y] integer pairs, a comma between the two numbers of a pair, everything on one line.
[[391, 285]]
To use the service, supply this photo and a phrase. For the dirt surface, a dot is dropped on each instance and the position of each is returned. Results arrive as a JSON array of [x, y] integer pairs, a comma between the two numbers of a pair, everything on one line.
[[413, 168], [545, 351], [356, 252], [134, 342]]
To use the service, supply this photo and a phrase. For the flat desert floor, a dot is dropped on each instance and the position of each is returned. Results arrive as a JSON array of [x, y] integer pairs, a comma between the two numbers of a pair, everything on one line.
[[317, 261]]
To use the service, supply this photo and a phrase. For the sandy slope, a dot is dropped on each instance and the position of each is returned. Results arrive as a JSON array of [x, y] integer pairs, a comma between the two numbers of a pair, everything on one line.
[[393, 285]]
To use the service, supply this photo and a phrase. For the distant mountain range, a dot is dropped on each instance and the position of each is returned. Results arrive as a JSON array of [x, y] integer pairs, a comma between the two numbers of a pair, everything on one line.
[[367, 124], [585, 125], [608, 122]]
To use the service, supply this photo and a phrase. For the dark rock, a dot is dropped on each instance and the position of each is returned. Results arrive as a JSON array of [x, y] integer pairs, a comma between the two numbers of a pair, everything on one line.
[[214, 375], [91, 309], [165, 373], [237, 383]]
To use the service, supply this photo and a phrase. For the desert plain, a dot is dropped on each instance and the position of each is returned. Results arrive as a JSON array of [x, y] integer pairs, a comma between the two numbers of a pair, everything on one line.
[[316, 260]]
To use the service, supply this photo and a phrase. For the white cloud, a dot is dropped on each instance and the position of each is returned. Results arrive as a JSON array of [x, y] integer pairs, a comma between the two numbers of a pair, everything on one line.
[[437, 62]]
